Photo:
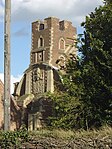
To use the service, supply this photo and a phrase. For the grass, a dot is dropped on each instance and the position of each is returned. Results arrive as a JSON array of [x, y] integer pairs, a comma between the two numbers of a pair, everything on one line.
[[69, 134], [55, 136]]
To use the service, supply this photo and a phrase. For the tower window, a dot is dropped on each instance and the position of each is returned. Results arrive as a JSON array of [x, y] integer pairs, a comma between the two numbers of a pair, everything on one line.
[[40, 56], [40, 42], [61, 25], [61, 43], [41, 27]]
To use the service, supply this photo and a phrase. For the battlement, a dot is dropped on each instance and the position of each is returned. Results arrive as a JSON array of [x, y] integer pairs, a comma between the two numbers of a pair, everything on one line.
[[52, 38], [51, 22]]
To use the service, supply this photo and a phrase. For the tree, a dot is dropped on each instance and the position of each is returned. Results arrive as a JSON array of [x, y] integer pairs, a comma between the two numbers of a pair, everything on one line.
[[86, 100], [96, 49], [67, 107]]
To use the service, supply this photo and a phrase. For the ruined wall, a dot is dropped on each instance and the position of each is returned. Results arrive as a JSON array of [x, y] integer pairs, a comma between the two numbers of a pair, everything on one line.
[[52, 42], [15, 111], [40, 78]]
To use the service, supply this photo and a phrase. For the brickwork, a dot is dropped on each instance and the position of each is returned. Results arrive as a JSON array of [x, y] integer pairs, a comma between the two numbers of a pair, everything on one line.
[[52, 42], [15, 111], [53, 39]]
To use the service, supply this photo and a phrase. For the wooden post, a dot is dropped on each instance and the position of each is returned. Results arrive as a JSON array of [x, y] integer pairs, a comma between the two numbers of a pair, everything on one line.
[[7, 65]]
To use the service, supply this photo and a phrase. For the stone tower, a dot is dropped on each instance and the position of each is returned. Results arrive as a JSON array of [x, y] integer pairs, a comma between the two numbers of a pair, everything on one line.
[[52, 40], [52, 43]]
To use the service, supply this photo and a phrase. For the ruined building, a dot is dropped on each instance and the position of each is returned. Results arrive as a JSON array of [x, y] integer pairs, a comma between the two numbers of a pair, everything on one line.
[[52, 43], [14, 110]]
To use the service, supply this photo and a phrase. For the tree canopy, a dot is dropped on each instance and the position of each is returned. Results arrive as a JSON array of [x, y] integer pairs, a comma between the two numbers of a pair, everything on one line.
[[97, 64], [87, 99]]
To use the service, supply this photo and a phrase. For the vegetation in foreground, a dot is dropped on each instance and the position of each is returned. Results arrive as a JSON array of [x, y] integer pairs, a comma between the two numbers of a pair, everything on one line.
[[56, 138]]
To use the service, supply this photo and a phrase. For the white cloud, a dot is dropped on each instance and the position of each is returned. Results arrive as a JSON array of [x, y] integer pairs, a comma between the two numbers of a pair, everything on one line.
[[1, 12], [30, 10], [13, 80]]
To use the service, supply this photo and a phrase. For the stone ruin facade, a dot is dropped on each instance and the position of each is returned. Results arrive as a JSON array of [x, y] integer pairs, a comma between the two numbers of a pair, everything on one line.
[[14, 111], [52, 43]]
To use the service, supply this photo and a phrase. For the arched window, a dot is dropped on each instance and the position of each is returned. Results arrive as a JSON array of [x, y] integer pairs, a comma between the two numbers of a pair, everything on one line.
[[40, 42], [61, 43]]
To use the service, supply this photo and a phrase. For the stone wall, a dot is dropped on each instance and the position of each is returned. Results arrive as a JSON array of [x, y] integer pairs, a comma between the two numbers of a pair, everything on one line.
[[15, 111], [55, 39], [52, 42]]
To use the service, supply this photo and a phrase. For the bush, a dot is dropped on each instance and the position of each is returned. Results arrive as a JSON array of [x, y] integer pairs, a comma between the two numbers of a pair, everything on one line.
[[13, 139]]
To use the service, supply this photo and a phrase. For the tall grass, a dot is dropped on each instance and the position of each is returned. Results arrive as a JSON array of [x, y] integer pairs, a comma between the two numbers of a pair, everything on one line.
[[68, 134]]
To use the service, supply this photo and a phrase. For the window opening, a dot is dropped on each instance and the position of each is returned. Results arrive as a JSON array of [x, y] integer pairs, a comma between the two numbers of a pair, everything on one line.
[[61, 44], [41, 42], [41, 27]]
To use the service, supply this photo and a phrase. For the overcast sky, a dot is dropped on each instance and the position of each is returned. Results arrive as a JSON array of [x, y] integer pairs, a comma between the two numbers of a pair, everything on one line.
[[26, 11]]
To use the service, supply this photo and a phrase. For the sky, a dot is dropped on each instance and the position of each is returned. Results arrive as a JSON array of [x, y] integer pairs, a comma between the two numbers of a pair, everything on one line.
[[23, 13]]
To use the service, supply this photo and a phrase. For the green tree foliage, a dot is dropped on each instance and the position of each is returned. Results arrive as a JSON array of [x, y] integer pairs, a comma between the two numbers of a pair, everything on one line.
[[67, 108], [97, 65], [86, 100], [13, 139]]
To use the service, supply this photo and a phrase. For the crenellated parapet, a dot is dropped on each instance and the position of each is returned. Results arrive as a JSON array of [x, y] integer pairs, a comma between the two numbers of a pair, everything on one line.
[[52, 38]]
